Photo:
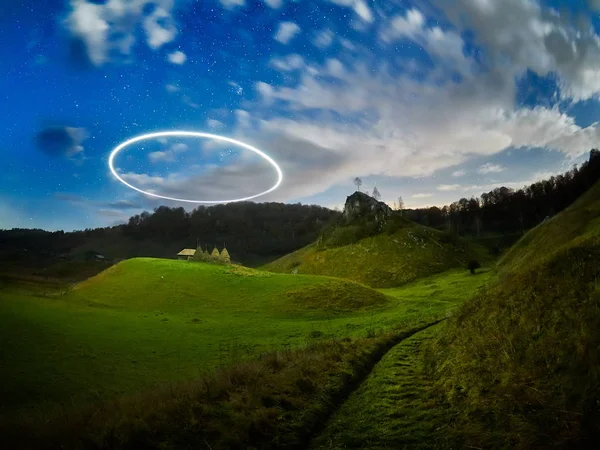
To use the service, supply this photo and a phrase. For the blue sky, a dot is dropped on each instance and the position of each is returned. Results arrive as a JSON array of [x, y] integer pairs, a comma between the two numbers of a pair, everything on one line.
[[428, 100]]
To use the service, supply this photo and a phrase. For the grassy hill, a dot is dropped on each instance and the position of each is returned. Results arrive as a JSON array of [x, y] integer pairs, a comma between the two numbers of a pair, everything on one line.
[[519, 363], [147, 284], [576, 223], [149, 320], [146, 322], [398, 255]]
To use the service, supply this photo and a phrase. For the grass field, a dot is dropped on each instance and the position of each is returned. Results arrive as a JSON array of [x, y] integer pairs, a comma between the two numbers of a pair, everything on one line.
[[147, 321]]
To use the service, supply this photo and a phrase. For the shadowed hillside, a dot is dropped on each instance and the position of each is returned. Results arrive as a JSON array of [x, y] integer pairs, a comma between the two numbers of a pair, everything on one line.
[[578, 222], [376, 246], [520, 361]]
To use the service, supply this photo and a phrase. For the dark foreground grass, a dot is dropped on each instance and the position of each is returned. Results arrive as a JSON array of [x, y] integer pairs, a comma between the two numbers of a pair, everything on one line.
[[155, 322], [276, 401], [520, 361], [393, 409]]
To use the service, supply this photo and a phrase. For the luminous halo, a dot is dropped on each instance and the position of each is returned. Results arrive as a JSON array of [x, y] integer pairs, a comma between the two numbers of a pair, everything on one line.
[[192, 134]]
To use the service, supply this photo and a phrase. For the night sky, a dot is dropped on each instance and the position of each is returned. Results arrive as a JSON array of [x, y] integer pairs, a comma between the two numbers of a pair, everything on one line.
[[431, 100]]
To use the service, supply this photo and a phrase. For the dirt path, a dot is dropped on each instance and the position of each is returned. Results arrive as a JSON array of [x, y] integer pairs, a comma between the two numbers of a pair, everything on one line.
[[391, 409]]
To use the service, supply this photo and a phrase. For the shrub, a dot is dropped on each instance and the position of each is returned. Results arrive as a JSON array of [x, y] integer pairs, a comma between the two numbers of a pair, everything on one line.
[[473, 265], [344, 236]]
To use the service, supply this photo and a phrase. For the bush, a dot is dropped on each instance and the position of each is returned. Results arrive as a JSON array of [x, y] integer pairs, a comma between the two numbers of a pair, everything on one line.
[[341, 236], [473, 265]]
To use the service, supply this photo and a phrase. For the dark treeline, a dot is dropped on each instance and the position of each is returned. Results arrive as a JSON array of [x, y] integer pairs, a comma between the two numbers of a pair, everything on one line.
[[257, 229], [253, 233], [505, 210]]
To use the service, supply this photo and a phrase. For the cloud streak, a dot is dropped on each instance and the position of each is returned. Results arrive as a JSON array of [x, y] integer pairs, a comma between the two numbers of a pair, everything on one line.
[[109, 30]]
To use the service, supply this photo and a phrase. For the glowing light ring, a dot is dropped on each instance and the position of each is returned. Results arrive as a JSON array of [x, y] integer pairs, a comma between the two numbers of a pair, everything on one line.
[[143, 137]]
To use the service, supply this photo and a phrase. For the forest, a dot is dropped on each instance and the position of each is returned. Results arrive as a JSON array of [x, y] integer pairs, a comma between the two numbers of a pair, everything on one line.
[[505, 210]]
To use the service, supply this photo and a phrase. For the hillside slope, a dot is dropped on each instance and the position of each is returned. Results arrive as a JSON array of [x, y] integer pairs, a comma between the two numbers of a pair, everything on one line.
[[179, 286], [520, 362], [384, 260], [578, 221]]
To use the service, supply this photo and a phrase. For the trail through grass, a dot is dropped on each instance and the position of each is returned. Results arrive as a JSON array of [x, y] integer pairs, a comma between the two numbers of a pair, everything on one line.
[[394, 407]]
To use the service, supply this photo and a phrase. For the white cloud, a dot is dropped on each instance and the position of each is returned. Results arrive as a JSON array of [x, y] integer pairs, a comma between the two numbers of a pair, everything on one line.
[[405, 127], [275, 4], [188, 101], [521, 34], [168, 155], [445, 45], [239, 90], [159, 28], [229, 4], [423, 195], [209, 182], [109, 30], [242, 118], [348, 45], [459, 173], [172, 88], [335, 68], [180, 147], [448, 187], [215, 124], [177, 57], [212, 145], [78, 135], [491, 168], [286, 32], [359, 7], [87, 22], [264, 89], [288, 63], [161, 156], [323, 38]]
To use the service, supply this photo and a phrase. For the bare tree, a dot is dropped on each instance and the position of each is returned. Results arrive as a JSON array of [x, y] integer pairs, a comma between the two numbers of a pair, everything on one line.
[[376, 195], [399, 205], [358, 183]]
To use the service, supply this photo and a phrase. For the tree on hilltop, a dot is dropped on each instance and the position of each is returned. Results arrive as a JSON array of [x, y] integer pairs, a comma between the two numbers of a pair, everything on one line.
[[358, 183], [399, 205], [376, 195]]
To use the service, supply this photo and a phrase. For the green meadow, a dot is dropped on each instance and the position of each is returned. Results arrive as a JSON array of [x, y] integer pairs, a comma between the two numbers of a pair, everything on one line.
[[146, 322]]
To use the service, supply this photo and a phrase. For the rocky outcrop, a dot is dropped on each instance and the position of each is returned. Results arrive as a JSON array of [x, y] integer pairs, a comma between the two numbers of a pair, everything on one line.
[[362, 206]]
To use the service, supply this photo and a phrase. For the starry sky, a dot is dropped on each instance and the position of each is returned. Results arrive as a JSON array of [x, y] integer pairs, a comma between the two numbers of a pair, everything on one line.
[[431, 100]]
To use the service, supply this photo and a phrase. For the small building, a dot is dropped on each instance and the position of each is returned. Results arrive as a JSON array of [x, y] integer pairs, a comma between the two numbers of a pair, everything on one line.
[[186, 253]]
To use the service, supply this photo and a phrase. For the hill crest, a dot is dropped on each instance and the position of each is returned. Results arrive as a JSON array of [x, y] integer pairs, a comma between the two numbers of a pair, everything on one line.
[[379, 252]]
